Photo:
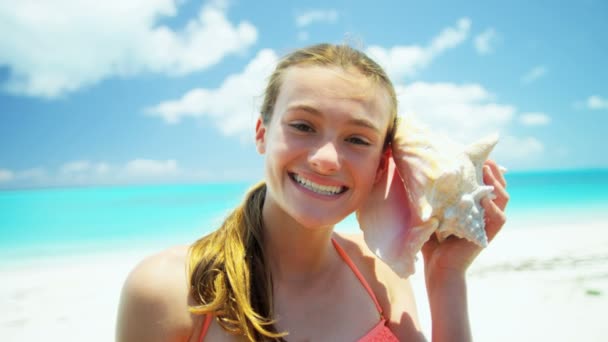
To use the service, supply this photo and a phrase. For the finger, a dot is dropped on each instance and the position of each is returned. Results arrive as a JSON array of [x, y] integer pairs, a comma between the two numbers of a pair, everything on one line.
[[502, 197], [494, 218], [429, 246], [497, 171]]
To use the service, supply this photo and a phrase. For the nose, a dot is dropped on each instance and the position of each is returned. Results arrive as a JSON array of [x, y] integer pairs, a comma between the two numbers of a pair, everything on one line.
[[325, 159]]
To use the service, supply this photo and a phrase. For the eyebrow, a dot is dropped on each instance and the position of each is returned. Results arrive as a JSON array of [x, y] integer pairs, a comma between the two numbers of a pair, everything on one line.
[[353, 121]]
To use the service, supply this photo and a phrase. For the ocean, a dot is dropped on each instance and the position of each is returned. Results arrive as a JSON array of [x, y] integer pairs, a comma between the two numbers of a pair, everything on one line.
[[61, 221]]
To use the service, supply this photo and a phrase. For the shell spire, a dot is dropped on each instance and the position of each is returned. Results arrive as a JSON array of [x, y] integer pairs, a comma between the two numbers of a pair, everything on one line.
[[479, 151]]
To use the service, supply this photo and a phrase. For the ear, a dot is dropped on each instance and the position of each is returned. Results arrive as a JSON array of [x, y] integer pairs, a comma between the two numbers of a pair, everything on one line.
[[260, 136], [383, 165]]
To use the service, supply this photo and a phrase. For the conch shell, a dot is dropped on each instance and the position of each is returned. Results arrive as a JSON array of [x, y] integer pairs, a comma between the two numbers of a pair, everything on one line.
[[434, 186]]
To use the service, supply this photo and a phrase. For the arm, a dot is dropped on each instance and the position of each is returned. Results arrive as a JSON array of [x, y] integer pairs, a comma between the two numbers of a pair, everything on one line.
[[449, 311], [153, 303], [445, 266]]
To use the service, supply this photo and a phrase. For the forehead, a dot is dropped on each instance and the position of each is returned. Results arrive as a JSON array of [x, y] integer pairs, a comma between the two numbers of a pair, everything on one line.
[[333, 89]]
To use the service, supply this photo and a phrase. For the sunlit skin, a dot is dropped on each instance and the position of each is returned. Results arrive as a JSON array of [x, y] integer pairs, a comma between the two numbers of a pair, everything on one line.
[[328, 127]]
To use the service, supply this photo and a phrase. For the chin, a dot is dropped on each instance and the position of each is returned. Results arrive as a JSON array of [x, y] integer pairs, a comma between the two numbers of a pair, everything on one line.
[[312, 222]]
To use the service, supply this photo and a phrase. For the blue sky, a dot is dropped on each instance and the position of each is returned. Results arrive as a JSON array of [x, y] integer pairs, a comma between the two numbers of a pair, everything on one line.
[[167, 91]]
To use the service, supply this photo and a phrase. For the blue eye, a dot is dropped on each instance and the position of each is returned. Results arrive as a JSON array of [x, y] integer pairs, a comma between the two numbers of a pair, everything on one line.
[[358, 141], [302, 127]]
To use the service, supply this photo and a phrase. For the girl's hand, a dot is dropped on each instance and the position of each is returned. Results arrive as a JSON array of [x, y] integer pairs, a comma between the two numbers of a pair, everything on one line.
[[454, 255]]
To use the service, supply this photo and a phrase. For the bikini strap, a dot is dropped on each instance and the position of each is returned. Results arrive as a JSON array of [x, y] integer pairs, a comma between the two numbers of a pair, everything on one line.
[[354, 268], [206, 325]]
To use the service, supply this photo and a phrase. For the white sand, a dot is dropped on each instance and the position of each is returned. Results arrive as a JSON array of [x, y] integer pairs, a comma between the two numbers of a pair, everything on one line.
[[537, 284], [63, 299]]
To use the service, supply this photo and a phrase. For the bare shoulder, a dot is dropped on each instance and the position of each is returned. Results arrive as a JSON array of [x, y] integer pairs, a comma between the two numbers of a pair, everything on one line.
[[159, 272], [154, 299], [394, 293]]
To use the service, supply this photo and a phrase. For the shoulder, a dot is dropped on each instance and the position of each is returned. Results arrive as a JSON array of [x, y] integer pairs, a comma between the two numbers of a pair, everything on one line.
[[394, 293], [154, 299], [158, 273]]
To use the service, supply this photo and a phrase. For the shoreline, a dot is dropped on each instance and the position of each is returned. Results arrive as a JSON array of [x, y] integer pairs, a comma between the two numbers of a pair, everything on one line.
[[532, 283]]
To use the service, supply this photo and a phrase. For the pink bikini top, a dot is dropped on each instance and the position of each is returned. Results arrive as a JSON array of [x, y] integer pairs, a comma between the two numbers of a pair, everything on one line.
[[380, 332]]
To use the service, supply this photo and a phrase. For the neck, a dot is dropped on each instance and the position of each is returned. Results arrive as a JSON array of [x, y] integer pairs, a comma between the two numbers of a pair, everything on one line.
[[296, 254]]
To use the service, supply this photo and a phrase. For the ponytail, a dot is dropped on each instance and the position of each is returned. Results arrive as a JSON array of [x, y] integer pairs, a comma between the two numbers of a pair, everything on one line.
[[229, 277]]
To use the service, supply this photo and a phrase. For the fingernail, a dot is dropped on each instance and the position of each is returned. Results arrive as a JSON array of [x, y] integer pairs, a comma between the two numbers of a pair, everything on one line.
[[502, 169]]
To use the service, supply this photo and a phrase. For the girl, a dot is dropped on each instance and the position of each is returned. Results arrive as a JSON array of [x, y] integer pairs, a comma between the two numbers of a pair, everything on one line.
[[275, 270]]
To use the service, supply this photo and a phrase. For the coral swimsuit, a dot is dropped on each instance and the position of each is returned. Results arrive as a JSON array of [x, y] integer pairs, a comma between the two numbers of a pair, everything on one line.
[[380, 332]]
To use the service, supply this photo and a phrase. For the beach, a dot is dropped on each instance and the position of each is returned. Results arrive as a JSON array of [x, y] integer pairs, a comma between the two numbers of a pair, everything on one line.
[[538, 284], [533, 283]]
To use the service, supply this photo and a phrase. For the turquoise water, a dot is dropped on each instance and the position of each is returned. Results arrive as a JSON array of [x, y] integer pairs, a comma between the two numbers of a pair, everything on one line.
[[61, 220], [57, 220]]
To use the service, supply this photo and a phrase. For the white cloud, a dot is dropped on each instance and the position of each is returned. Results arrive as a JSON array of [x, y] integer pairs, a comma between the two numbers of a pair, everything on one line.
[[596, 102], [53, 48], [32, 174], [232, 106], [452, 36], [75, 167], [81, 172], [303, 36], [534, 119], [84, 167], [151, 168], [400, 61], [84, 172], [534, 74], [464, 112], [6, 175], [316, 16], [513, 149], [28, 178], [135, 171], [484, 41]]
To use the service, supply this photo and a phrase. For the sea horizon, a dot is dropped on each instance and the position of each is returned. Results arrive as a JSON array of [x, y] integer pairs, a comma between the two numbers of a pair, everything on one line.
[[81, 220], [509, 173]]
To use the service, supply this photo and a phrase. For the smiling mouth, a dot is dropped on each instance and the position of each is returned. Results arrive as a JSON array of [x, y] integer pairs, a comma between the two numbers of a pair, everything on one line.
[[326, 190]]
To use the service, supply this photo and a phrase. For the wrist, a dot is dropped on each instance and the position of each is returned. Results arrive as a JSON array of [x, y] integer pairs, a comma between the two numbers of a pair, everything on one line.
[[445, 280]]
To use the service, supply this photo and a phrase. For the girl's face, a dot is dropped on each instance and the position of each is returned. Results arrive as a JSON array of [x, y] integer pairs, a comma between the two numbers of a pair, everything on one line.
[[324, 144]]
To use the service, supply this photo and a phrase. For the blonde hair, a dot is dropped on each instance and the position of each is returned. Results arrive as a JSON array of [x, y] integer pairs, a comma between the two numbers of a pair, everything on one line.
[[229, 275]]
